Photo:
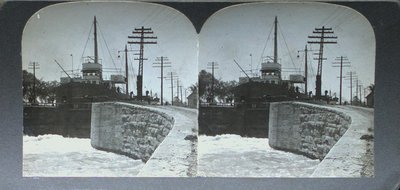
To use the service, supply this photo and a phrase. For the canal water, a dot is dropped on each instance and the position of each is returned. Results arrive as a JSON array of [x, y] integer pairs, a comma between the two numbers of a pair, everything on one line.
[[236, 156], [218, 156], [56, 156]]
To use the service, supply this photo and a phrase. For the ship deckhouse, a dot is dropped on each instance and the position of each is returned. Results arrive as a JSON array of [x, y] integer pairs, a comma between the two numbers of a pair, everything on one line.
[[271, 71], [91, 71]]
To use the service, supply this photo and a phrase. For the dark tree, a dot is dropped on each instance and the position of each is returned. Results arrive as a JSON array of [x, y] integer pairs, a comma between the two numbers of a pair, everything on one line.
[[45, 90], [205, 80], [223, 90]]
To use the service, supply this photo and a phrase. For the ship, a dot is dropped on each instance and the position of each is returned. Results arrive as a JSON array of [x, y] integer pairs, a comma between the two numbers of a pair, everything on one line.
[[71, 115], [248, 116], [269, 86]]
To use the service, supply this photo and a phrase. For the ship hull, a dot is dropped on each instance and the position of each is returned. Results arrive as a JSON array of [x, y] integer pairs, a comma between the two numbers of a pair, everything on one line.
[[249, 115], [55, 120], [71, 116]]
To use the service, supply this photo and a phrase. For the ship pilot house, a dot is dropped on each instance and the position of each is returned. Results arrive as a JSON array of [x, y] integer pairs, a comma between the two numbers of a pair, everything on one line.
[[271, 72]]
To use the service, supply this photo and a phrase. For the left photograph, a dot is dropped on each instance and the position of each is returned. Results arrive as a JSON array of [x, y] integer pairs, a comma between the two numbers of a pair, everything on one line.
[[109, 90]]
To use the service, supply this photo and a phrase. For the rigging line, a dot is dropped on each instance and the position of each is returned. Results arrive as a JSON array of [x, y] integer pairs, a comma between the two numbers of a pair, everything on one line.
[[265, 45], [87, 41], [165, 16], [102, 51], [287, 47], [101, 33]]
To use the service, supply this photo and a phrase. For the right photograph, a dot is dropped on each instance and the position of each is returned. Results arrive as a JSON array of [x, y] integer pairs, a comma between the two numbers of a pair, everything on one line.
[[286, 90]]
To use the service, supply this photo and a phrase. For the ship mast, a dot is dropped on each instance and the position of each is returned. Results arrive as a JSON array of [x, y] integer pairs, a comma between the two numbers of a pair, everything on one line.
[[270, 68], [96, 56], [276, 40]]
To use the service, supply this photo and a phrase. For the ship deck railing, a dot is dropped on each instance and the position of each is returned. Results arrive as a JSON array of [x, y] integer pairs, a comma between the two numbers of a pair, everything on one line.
[[40, 104]]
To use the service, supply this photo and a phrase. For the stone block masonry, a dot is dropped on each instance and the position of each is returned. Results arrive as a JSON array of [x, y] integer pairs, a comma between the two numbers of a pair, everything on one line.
[[127, 129], [306, 129]]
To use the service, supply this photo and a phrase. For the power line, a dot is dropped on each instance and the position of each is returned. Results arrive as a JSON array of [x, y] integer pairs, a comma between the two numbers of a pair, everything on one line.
[[325, 21], [213, 66], [162, 64], [351, 76], [141, 37], [321, 35], [34, 65], [177, 88], [306, 66], [126, 69], [343, 63], [343, 19], [171, 76]]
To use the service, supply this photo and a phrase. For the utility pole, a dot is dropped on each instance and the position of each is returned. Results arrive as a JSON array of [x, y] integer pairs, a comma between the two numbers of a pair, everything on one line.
[[126, 71], [305, 70], [72, 60], [212, 65], [343, 63], [180, 88], [356, 87], [350, 76], [365, 101], [161, 64], [34, 65], [351, 88], [126, 68], [140, 36], [321, 35], [359, 84], [171, 78], [306, 50], [251, 65], [186, 102], [177, 88]]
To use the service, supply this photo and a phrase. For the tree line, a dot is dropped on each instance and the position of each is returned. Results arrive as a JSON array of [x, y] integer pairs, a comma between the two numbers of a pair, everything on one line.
[[223, 90], [45, 91]]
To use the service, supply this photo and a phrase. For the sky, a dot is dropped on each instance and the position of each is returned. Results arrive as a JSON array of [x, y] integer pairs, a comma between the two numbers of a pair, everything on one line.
[[238, 31], [57, 31]]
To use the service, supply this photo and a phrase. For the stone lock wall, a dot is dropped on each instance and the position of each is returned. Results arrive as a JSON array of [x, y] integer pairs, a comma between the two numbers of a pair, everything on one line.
[[127, 129], [306, 129]]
